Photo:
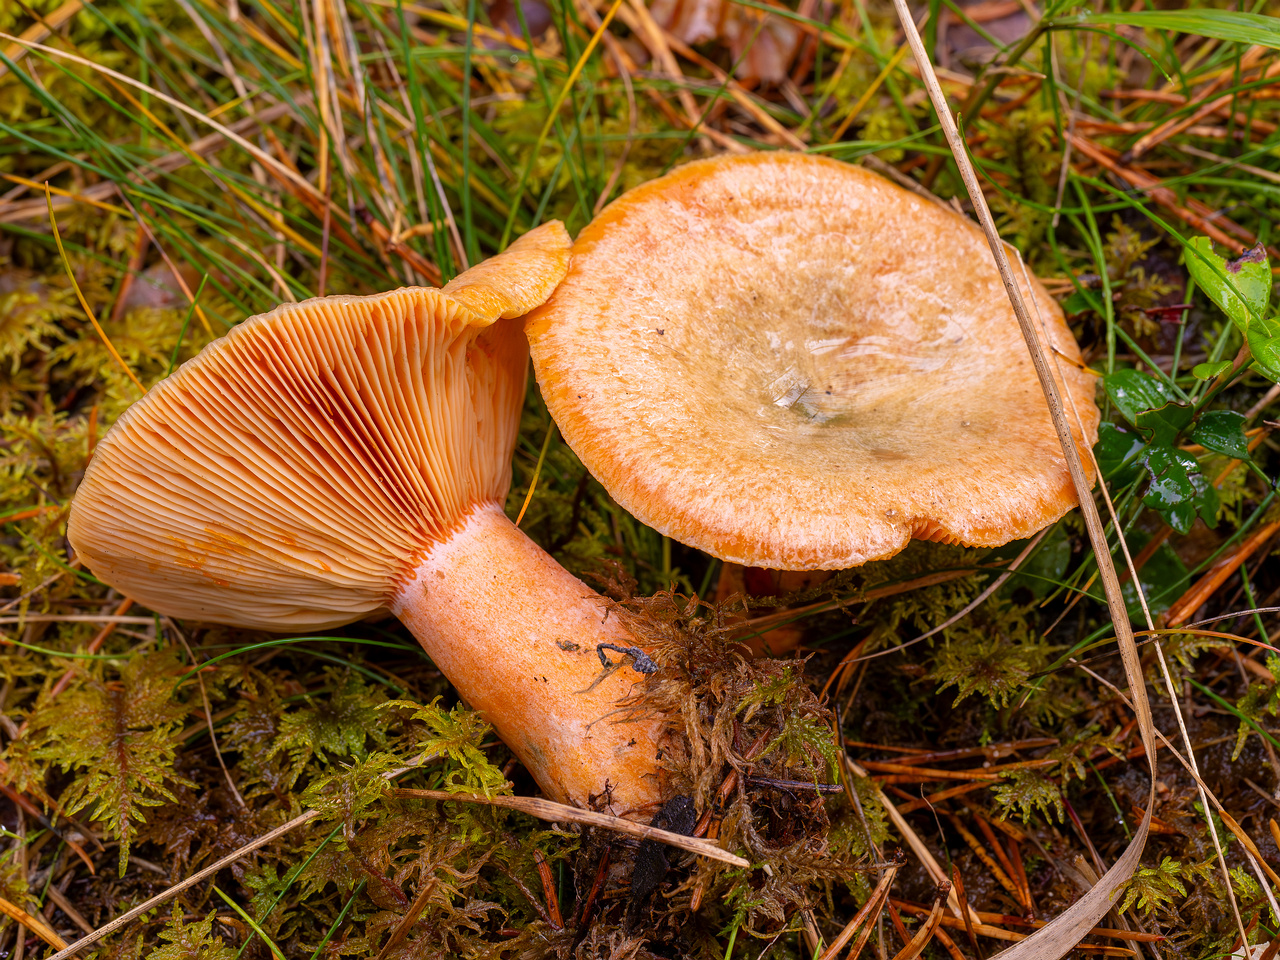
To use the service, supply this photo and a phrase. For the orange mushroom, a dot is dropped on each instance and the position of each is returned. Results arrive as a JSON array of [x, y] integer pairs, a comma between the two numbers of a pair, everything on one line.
[[789, 362], [348, 455]]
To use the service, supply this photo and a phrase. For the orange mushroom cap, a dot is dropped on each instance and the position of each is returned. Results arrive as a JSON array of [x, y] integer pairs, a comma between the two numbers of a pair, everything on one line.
[[789, 362], [294, 473]]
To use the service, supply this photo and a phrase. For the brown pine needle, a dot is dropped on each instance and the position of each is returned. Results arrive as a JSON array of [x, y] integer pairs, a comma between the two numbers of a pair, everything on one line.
[[35, 924], [873, 905], [921, 940]]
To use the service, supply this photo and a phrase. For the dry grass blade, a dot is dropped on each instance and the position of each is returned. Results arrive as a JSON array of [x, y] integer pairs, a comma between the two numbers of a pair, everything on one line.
[[1067, 930], [261, 156], [42, 29], [72, 618], [1251, 849], [562, 812], [409, 919], [1190, 761], [88, 310], [177, 888], [993, 932], [67, 907]]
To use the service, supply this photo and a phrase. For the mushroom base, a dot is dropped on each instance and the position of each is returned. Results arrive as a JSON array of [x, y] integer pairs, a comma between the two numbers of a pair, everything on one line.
[[518, 638]]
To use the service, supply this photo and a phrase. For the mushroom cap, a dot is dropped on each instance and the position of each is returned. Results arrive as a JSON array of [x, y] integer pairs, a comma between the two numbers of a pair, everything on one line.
[[789, 362], [294, 473]]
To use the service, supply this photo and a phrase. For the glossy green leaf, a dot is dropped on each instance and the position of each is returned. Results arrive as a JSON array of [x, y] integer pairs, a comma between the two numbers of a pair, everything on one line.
[[1179, 491], [1264, 343], [1078, 302], [1207, 371], [1046, 567], [1241, 288], [1119, 453], [1133, 392], [1162, 425], [1220, 24], [1222, 431]]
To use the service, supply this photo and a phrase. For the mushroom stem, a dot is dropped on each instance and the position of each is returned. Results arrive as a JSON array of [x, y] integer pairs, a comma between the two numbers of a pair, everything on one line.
[[518, 637]]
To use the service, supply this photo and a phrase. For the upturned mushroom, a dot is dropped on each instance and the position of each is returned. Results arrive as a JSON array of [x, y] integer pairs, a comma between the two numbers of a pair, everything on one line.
[[789, 362], [348, 455]]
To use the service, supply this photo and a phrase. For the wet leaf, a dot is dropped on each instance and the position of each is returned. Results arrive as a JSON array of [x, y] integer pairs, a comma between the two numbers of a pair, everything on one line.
[[1264, 343], [1179, 491], [1207, 371], [1119, 453], [1222, 431], [1241, 288], [1134, 392], [1078, 302], [1162, 425]]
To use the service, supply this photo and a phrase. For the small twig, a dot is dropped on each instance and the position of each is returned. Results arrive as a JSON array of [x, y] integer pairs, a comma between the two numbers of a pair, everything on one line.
[[596, 886], [922, 852], [73, 618], [177, 888], [1009, 871], [562, 812], [968, 913], [981, 852]]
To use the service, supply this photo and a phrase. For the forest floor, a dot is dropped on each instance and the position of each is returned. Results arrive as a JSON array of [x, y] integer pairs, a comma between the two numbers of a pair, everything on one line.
[[206, 161]]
